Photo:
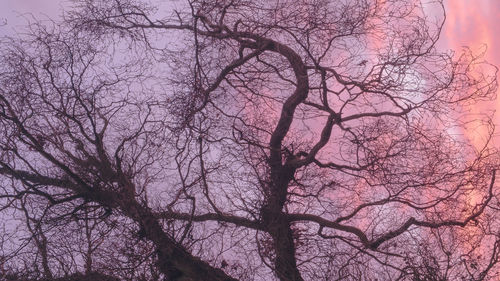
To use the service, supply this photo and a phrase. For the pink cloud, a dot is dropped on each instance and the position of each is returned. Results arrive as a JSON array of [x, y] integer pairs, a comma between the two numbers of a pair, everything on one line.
[[473, 24]]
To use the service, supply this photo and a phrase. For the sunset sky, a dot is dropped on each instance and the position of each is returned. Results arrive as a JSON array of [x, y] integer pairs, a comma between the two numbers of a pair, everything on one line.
[[469, 23], [475, 24]]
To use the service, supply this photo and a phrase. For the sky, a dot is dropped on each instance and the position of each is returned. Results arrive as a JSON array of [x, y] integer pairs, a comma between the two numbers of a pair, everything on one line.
[[12, 11], [475, 24], [469, 23]]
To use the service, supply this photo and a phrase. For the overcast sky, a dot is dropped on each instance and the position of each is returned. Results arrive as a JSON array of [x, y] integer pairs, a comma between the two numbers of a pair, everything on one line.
[[12, 11]]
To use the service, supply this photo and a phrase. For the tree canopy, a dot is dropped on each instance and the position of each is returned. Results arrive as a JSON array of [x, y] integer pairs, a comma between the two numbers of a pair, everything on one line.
[[245, 140]]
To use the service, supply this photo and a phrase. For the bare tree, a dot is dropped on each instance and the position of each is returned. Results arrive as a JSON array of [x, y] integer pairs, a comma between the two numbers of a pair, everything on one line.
[[252, 140]]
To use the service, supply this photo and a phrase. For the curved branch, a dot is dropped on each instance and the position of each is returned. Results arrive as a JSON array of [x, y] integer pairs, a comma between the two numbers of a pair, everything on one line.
[[374, 244]]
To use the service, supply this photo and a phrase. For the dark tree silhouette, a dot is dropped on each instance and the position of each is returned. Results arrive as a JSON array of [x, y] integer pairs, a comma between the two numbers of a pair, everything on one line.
[[245, 140]]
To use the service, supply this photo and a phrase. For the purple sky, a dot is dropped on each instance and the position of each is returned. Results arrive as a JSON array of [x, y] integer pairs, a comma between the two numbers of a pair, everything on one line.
[[467, 24], [11, 11]]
